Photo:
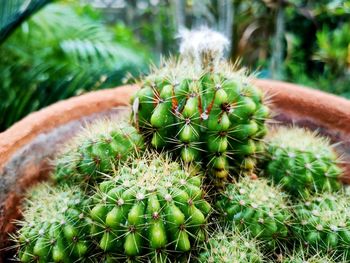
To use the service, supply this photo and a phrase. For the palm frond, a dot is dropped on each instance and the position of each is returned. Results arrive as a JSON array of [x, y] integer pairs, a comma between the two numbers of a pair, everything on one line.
[[57, 54], [14, 12]]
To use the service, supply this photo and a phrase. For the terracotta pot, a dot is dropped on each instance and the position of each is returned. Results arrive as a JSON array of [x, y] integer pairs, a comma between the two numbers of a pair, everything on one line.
[[26, 147]]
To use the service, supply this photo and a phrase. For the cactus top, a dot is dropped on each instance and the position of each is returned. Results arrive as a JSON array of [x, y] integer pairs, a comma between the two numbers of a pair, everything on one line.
[[301, 257], [323, 221], [96, 150], [49, 204], [54, 226], [216, 117], [302, 161], [229, 246], [203, 107], [257, 207], [303, 140], [256, 193], [328, 211], [150, 175], [150, 207]]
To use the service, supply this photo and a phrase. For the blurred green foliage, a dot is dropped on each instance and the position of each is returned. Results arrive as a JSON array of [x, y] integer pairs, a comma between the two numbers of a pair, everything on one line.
[[14, 12], [317, 45], [61, 52], [301, 41]]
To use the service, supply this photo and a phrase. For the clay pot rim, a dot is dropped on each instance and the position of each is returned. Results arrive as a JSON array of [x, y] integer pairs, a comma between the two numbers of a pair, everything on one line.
[[60, 113]]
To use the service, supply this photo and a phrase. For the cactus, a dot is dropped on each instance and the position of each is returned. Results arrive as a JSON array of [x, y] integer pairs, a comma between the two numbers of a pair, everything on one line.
[[96, 151], [302, 161], [322, 222], [304, 256], [148, 208], [207, 112], [255, 206], [54, 227], [230, 247]]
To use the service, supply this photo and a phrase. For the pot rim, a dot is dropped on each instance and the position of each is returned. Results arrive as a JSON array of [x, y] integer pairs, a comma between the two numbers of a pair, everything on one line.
[[60, 113]]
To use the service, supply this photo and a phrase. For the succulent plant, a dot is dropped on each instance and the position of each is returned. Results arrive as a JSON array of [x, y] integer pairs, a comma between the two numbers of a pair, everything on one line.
[[255, 206], [202, 108], [302, 161], [310, 259], [96, 151], [228, 246], [150, 207], [323, 222], [54, 227], [303, 255]]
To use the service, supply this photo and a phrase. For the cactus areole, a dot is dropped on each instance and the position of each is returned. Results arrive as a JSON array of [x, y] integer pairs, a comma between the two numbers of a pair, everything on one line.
[[203, 108]]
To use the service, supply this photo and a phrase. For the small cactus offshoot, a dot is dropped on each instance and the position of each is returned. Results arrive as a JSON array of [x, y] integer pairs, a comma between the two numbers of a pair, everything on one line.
[[150, 207], [255, 206], [302, 161], [210, 113], [229, 246], [54, 227], [97, 150], [322, 222]]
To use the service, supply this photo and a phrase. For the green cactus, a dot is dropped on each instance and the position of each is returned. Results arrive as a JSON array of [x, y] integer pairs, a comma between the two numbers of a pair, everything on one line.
[[54, 227], [302, 255], [207, 113], [96, 151], [228, 246], [311, 259], [150, 207], [255, 206], [302, 161], [322, 222]]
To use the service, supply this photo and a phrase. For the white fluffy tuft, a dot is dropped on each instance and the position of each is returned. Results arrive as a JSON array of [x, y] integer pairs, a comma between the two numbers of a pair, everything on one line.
[[204, 46]]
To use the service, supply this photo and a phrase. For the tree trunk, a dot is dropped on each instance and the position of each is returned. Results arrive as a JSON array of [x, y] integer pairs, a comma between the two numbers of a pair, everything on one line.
[[226, 16], [277, 71], [180, 14]]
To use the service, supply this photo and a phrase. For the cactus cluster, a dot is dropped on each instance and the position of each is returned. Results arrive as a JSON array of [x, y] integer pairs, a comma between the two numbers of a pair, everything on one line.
[[230, 247], [117, 200], [303, 255], [302, 161], [150, 207], [322, 222], [253, 205], [54, 227], [214, 115], [96, 151]]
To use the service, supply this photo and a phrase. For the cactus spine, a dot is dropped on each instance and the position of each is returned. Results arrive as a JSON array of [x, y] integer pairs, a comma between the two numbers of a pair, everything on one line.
[[207, 112], [322, 222], [54, 227], [302, 255], [149, 208], [228, 246], [97, 150], [302, 161]]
